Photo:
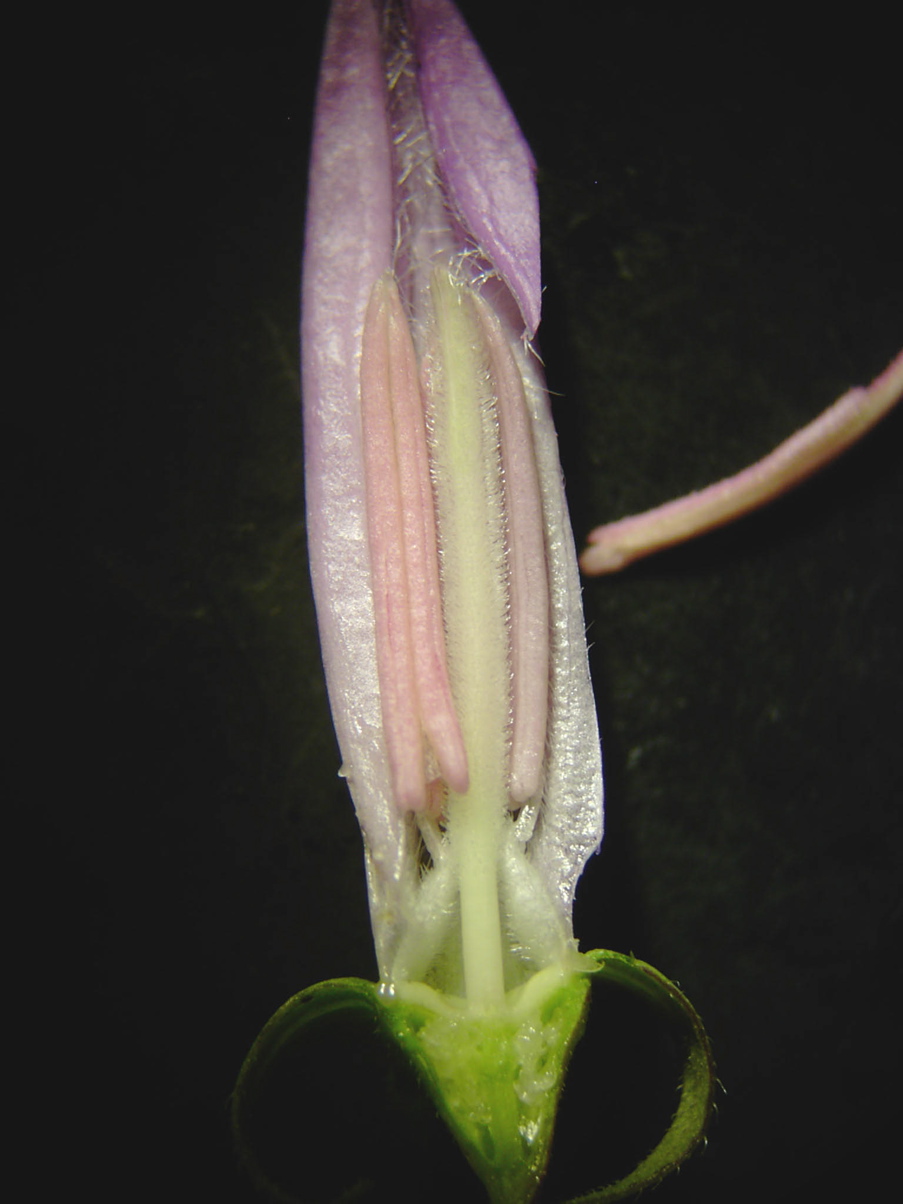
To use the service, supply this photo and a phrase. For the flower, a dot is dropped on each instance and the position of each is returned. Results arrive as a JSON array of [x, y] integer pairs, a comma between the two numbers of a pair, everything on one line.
[[448, 602], [442, 560]]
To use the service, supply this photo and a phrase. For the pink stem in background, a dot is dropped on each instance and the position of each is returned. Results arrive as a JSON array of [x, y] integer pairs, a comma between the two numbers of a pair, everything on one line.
[[410, 645], [615, 545], [528, 578]]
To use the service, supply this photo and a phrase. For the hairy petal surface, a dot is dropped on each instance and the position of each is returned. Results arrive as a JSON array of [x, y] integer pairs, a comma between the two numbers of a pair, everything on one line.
[[349, 240]]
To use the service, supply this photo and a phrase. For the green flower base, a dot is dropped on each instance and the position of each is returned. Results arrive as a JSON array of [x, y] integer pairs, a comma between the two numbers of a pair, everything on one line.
[[495, 1079]]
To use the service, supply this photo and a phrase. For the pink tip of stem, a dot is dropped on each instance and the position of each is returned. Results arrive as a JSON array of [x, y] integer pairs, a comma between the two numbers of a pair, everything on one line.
[[615, 545]]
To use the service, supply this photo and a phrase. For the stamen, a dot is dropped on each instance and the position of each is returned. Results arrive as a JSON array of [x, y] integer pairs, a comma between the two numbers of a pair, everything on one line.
[[415, 694], [528, 583]]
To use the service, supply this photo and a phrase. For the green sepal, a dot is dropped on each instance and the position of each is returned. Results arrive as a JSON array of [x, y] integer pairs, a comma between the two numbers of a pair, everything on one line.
[[495, 1080], [285, 1036], [697, 1087]]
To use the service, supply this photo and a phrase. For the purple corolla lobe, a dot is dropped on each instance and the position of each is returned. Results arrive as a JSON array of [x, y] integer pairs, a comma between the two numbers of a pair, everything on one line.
[[483, 157], [421, 288]]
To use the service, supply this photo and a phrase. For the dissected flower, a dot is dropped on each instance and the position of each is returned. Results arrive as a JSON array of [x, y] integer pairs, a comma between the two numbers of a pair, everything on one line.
[[443, 564], [448, 602]]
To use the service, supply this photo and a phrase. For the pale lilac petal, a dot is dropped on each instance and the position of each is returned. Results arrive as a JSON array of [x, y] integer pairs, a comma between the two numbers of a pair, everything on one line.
[[569, 827], [348, 245]]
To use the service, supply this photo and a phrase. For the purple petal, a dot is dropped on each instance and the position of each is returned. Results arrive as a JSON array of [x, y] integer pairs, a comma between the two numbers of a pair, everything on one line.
[[482, 154]]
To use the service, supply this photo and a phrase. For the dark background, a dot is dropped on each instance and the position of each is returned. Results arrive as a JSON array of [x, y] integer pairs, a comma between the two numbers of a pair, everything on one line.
[[721, 201]]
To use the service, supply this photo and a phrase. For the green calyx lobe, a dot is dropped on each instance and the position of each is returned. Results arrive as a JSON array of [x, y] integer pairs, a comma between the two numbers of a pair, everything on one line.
[[494, 1077]]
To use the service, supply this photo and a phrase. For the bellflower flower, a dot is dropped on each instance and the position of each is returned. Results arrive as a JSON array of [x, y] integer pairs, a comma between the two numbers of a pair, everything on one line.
[[448, 597], [441, 555]]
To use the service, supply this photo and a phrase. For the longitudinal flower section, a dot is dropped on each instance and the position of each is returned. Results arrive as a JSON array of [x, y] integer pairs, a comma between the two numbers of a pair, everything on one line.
[[442, 561]]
